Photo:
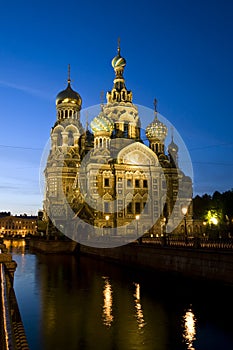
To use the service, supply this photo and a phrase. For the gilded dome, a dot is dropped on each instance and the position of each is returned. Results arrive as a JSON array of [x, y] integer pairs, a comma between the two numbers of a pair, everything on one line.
[[156, 130], [68, 96], [102, 123]]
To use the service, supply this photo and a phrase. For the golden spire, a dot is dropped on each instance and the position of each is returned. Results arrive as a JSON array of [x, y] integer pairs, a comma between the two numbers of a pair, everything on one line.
[[155, 107], [119, 46], [172, 133], [68, 79], [102, 100]]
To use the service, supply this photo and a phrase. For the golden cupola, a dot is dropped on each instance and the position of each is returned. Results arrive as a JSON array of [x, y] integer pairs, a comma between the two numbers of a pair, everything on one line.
[[68, 102]]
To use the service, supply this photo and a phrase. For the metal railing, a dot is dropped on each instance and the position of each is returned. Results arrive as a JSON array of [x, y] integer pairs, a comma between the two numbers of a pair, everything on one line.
[[190, 242], [12, 334]]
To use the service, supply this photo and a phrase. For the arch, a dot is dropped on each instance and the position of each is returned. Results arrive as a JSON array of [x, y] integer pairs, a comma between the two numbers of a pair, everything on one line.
[[71, 127], [107, 197], [137, 153], [138, 197], [127, 117], [129, 197]]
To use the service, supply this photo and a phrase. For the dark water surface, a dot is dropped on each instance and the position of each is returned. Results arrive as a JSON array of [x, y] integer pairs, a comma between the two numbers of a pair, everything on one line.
[[69, 303]]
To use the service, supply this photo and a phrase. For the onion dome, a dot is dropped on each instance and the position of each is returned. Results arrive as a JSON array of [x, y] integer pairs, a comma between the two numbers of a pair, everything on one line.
[[102, 123], [118, 61], [69, 95], [156, 129], [173, 148]]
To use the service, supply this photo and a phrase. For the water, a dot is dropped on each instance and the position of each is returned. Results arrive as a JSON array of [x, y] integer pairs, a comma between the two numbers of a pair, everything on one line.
[[69, 303]]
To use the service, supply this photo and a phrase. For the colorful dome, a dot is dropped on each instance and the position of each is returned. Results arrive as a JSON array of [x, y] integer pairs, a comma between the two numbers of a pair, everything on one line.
[[102, 123], [118, 62], [68, 96], [156, 130]]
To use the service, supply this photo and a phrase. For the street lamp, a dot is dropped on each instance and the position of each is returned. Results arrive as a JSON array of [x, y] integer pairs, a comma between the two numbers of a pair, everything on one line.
[[107, 217], [184, 211], [164, 238], [137, 217]]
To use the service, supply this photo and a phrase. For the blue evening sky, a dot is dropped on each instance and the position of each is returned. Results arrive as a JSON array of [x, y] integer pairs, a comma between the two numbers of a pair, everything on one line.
[[180, 51]]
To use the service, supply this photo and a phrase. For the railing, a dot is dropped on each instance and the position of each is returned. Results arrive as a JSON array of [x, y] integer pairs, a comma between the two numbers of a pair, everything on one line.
[[12, 335], [190, 242]]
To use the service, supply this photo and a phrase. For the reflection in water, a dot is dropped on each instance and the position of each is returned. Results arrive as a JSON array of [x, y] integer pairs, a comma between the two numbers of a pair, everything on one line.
[[18, 246], [138, 306], [189, 333], [107, 306], [66, 303]]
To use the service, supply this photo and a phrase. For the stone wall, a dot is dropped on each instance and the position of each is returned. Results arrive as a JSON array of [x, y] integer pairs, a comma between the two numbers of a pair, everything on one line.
[[195, 263]]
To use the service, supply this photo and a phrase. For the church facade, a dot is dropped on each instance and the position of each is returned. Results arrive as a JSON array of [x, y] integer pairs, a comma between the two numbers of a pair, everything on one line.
[[106, 175]]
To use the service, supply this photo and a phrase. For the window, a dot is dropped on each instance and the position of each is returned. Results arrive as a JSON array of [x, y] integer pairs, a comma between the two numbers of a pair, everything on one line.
[[106, 207], [129, 183], [145, 206], [145, 183], [137, 208], [137, 183], [106, 182], [70, 139], [125, 134], [129, 208], [59, 139]]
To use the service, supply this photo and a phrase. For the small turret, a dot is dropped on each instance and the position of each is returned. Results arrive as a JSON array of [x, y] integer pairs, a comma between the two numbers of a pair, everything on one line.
[[156, 133]]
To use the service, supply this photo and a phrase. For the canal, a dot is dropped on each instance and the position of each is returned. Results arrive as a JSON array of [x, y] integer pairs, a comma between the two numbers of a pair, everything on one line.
[[71, 303]]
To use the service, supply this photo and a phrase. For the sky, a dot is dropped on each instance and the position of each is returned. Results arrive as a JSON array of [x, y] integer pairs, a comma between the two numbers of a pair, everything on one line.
[[179, 51]]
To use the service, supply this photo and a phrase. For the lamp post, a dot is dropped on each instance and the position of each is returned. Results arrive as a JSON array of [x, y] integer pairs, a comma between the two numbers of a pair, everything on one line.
[[164, 232], [137, 217], [184, 211], [112, 166], [107, 217]]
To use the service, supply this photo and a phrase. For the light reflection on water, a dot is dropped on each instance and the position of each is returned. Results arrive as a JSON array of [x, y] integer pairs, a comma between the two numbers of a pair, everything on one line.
[[107, 305], [189, 333], [138, 306], [70, 303]]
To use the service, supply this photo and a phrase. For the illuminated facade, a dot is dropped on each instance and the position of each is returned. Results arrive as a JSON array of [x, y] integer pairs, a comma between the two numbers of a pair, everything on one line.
[[21, 225], [139, 180]]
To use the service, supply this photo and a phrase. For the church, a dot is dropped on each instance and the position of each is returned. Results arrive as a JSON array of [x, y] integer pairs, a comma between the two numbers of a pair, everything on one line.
[[104, 179]]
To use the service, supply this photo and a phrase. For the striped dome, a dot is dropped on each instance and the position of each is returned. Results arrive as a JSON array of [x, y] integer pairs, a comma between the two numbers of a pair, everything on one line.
[[118, 62], [102, 123]]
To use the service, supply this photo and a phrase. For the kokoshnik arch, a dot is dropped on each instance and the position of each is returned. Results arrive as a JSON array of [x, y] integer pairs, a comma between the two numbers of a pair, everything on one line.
[[106, 182]]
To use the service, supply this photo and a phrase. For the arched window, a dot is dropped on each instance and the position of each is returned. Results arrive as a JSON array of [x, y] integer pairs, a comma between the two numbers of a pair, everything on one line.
[[59, 139], [70, 139]]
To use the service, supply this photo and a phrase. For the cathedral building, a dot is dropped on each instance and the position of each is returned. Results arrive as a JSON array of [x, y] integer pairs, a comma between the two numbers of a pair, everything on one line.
[[108, 176]]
